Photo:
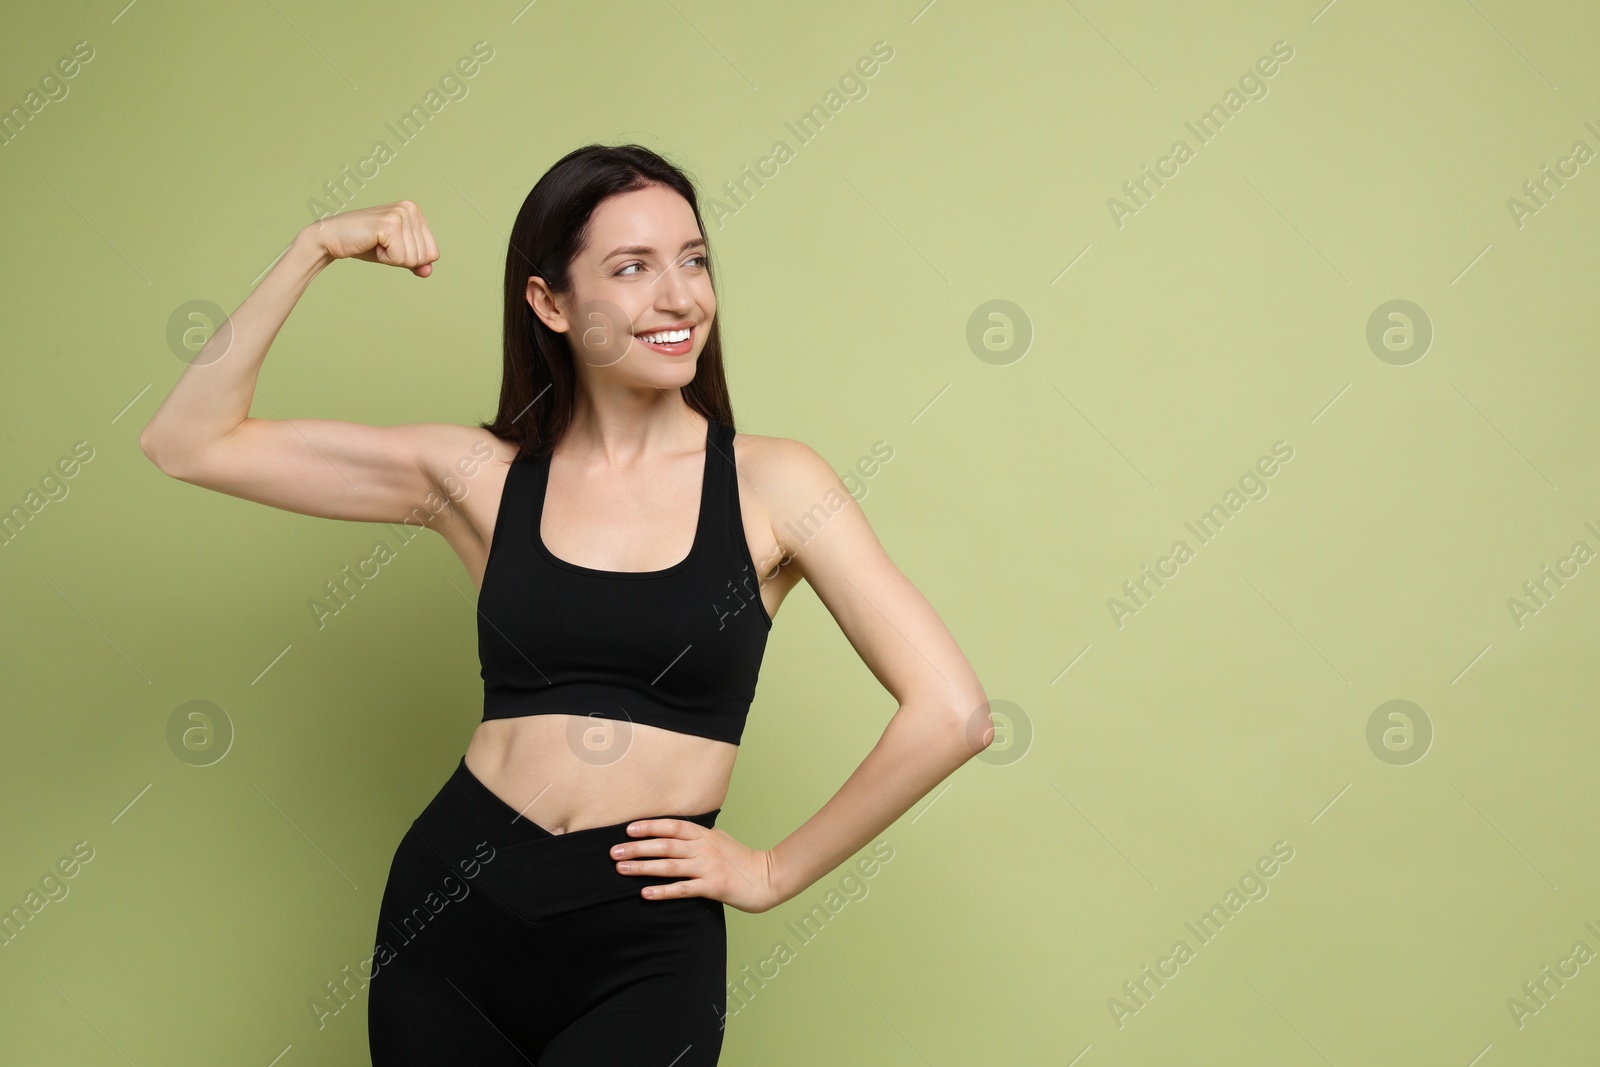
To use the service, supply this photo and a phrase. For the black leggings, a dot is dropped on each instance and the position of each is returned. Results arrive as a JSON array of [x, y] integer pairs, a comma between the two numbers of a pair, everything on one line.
[[502, 943]]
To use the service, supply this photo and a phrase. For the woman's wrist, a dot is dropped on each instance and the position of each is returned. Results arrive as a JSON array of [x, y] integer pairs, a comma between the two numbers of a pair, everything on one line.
[[308, 245], [780, 880]]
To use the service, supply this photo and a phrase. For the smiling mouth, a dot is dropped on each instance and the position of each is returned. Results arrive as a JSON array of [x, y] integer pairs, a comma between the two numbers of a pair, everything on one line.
[[671, 348]]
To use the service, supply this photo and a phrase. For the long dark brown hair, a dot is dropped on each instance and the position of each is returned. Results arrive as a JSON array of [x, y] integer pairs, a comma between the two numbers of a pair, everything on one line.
[[536, 389]]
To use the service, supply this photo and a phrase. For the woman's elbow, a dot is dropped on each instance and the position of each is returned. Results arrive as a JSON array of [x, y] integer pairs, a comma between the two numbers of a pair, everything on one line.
[[968, 723], [150, 445], [977, 727]]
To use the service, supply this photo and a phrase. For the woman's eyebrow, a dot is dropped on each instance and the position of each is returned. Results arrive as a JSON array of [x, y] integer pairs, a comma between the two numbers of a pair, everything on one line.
[[646, 250]]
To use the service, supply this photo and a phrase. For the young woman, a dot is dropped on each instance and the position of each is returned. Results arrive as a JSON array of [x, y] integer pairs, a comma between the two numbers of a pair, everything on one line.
[[560, 900]]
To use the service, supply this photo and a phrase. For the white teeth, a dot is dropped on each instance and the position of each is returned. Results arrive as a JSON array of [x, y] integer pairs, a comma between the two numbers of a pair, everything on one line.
[[666, 338]]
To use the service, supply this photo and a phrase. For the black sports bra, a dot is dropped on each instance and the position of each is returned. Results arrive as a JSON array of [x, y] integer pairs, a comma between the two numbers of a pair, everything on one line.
[[679, 648]]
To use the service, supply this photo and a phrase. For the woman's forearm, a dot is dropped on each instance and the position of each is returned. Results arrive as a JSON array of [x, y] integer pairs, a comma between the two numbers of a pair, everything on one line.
[[212, 396], [920, 748]]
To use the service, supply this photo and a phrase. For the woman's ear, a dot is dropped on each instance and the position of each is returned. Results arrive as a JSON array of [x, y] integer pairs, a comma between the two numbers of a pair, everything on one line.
[[544, 304]]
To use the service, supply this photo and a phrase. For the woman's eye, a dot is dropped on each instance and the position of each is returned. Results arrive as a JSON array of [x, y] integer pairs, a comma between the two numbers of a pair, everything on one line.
[[621, 271]]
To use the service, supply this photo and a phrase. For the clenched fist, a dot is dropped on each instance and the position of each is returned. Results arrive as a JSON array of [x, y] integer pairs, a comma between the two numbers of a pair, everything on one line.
[[395, 234]]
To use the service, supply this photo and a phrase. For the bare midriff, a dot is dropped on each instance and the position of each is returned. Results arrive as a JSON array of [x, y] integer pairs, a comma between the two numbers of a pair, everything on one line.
[[573, 772]]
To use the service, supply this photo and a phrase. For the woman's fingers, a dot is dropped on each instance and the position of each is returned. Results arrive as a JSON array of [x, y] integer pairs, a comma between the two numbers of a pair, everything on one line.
[[420, 246], [413, 235], [417, 237], [396, 235], [430, 247], [693, 887], [676, 828], [658, 847], [399, 243], [654, 846]]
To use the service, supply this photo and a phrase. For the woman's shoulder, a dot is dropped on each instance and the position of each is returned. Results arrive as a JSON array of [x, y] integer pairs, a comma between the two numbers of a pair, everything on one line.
[[785, 471], [780, 453]]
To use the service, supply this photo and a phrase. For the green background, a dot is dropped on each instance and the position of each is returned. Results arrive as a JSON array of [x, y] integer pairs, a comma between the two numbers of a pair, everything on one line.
[[1145, 767]]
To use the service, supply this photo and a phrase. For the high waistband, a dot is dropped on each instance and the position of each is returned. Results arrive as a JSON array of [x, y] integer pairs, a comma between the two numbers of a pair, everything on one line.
[[531, 871]]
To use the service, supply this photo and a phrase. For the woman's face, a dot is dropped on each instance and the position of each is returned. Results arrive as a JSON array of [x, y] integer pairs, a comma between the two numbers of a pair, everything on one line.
[[642, 273]]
